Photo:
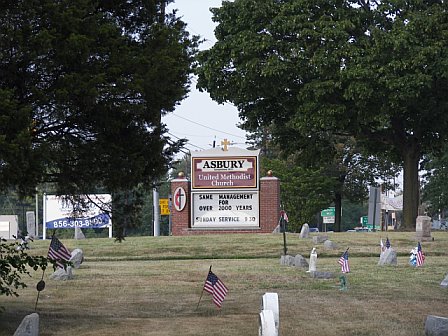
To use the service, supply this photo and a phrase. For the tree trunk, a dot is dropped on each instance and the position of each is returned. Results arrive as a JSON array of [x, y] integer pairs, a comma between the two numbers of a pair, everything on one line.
[[411, 193], [338, 212]]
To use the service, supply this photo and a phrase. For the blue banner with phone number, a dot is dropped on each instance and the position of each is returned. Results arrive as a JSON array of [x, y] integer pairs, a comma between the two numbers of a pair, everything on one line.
[[99, 221]]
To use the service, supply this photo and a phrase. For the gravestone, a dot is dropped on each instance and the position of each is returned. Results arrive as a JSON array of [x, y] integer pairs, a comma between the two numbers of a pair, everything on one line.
[[330, 245], [31, 224], [388, 257], [423, 228], [436, 326], [79, 234], [321, 275], [77, 258], [29, 326], [287, 260], [444, 282], [267, 324], [319, 239], [300, 261], [62, 274], [305, 231], [313, 261], [269, 301]]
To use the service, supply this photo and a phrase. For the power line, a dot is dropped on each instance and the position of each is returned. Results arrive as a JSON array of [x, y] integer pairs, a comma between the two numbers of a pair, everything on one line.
[[188, 143], [210, 128]]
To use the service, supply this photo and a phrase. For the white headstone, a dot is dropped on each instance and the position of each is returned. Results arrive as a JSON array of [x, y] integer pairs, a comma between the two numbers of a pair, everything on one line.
[[267, 324], [313, 261], [305, 231], [77, 258], [269, 301], [29, 326]]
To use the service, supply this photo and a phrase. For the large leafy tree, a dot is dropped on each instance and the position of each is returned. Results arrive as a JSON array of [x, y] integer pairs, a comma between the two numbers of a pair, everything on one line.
[[328, 170], [375, 70], [83, 86], [435, 186]]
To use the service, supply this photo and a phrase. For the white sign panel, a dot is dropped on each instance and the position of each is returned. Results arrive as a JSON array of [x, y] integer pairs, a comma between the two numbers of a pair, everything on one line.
[[225, 210], [328, 219], [59, 214]]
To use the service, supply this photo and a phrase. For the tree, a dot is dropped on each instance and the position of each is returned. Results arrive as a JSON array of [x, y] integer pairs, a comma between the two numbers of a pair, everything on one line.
[[83, 86], [369, 69], [435, 187], [326, 171], [14, 263]]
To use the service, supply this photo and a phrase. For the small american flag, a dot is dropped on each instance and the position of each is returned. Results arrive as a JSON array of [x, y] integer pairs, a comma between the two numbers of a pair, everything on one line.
[[215, 287], [420, 256], [343, 261], [58, 252], [387, 243]]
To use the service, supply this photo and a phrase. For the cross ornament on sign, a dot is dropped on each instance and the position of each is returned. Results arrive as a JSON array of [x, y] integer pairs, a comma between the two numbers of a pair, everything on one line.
[[225, 143]]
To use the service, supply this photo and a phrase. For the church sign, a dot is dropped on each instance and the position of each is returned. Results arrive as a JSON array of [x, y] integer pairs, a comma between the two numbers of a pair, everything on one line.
[[224, 173], [225, 189], [229, 210]]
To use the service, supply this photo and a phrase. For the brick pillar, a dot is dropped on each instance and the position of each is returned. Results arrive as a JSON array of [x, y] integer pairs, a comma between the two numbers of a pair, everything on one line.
[[269, 203], [180, 220]]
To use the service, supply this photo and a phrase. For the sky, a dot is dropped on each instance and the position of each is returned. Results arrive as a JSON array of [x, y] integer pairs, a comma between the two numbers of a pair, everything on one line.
[[198, 118]]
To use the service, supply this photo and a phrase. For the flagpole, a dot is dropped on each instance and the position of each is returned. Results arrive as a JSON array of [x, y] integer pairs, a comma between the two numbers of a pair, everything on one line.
[[202, 292]]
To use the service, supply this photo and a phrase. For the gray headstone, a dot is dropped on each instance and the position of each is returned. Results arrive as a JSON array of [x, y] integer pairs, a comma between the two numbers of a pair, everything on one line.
[[322, 275], [444, 282], [79, 234], [436, 326], [305, 231], [77, 258], [31, 224], [329, 245], [423, 228], [287, 260], [300, 261], [388, 257], [62, 274], [29, 326], [319, 239]]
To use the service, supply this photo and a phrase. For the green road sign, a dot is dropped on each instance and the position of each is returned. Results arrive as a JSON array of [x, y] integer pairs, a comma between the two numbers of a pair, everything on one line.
[[364, 220], [330, 212]]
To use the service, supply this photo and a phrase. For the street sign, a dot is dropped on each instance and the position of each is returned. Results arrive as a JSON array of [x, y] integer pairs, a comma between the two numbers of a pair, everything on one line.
[[364, 220], [330, 212], [328, 219], [164, 206]]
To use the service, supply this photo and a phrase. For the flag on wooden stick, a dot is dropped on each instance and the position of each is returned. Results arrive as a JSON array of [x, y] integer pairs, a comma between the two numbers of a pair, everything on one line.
[[215, 287], [420, 256], [343, 261], [58, 252]]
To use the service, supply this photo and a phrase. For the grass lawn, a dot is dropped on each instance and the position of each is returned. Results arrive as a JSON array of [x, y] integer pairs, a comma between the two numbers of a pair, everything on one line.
[[152, 285]]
